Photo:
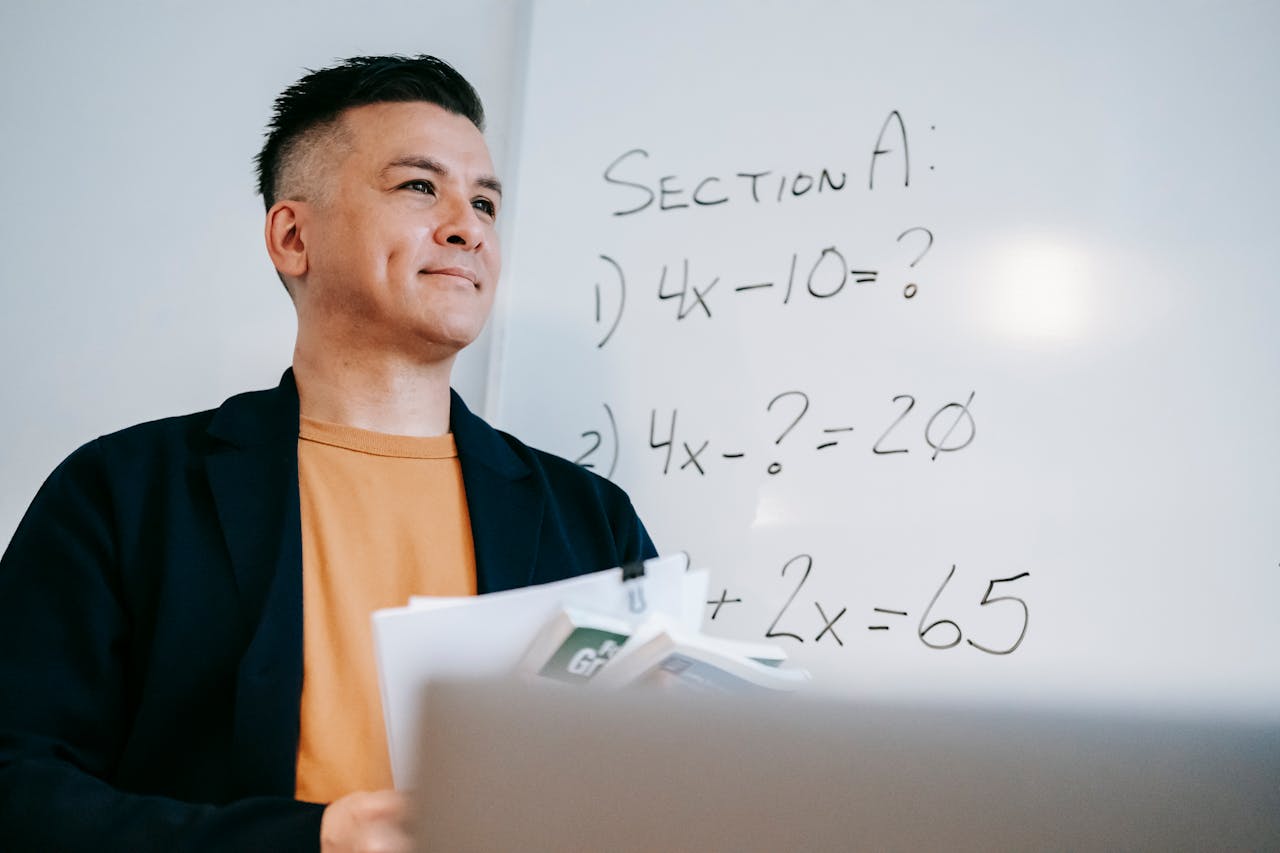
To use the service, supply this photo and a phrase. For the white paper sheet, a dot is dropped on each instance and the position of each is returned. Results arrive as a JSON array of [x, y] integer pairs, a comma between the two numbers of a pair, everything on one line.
[[486, 636]]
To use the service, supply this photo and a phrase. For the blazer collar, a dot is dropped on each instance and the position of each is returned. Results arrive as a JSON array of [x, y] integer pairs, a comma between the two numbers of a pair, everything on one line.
[[258, 417], [261, 417]]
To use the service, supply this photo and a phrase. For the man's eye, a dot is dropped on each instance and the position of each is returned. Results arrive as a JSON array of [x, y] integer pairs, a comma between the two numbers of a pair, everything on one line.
[[419, 186], [485, 206]]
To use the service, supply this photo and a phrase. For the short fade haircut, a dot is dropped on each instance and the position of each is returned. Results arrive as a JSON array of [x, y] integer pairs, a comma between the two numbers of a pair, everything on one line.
[[308, 111]]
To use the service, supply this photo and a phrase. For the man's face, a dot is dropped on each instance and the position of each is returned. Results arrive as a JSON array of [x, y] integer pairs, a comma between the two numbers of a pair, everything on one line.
[[402, 252]]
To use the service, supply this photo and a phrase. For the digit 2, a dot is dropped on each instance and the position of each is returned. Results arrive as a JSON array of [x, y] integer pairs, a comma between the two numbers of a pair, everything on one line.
[[808, 566]]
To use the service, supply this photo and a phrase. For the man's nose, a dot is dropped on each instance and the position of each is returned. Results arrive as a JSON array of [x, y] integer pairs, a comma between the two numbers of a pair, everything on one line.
[[459, 224]]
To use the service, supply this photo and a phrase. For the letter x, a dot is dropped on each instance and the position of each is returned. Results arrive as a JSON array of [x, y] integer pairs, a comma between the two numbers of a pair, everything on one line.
[[693, 456], [829, 623], [698, 301]]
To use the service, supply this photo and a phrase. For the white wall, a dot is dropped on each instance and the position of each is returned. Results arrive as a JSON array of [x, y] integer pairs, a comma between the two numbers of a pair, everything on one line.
[[135, 282]]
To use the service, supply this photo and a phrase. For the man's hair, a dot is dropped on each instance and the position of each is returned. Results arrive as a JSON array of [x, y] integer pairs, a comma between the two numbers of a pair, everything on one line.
[[307, 112]]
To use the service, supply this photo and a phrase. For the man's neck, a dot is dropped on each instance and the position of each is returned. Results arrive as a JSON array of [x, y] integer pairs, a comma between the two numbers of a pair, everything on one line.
[[380, 395]]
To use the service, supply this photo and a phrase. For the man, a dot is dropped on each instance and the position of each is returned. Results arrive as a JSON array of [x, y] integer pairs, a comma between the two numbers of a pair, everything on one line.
[[184, 611]]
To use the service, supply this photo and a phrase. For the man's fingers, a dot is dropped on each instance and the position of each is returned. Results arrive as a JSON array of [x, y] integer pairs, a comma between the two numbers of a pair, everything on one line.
[[366, 822], [384, 804]]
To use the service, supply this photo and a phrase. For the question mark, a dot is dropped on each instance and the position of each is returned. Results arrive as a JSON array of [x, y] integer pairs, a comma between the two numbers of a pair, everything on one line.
[[775, 467], [910, 290]]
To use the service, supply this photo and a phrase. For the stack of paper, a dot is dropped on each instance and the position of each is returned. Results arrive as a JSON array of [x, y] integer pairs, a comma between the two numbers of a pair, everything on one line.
[[487, 636], [602, 629]]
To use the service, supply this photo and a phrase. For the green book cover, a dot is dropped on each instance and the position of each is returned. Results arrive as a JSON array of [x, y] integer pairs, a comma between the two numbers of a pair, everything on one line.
[[582, 654]]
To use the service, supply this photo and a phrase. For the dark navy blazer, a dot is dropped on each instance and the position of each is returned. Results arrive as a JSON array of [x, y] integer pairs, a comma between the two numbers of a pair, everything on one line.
[[151, 621]]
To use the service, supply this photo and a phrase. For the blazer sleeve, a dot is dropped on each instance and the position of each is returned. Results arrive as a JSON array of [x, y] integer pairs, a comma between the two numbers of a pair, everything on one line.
[[65, 717], [629, 531], [596, 511]]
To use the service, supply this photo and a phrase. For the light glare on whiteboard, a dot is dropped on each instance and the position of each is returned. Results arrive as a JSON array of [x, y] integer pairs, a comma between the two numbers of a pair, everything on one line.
[[770, 512], [1040, 291]]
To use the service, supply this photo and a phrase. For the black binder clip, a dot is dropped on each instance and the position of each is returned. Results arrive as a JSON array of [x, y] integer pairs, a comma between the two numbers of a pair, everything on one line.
[[634, 571]]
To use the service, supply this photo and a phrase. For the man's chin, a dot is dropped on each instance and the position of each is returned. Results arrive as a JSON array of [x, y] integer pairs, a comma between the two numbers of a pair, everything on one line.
[[439, 344]]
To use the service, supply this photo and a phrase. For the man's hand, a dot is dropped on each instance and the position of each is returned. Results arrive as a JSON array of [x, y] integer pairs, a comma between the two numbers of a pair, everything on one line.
[[366, 822]]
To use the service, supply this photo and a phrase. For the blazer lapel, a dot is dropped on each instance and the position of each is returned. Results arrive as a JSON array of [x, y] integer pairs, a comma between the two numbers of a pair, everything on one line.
[[253, 475], [503, 500]]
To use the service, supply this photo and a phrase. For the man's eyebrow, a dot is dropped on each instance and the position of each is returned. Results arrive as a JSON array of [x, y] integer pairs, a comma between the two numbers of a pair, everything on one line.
[[430, 164]]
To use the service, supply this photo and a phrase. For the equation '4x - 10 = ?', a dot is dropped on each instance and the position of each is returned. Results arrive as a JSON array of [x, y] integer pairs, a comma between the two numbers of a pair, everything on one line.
[[821, 275], [949, 428]]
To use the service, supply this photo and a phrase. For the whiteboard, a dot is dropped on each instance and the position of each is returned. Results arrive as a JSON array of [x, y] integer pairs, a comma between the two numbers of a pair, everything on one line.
[[943, 334]]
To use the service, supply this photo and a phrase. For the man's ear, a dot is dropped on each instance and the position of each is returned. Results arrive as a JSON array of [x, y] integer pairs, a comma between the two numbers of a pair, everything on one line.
[[283, 233]]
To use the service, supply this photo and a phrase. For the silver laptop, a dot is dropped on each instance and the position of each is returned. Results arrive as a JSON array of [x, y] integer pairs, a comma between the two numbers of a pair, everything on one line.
[[505, 767]]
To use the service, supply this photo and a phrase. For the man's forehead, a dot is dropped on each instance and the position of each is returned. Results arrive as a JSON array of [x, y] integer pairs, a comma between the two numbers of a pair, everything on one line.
[[401, 131]]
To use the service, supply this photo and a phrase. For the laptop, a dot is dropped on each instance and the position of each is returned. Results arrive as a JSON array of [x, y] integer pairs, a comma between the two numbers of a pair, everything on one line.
[[513, 767]]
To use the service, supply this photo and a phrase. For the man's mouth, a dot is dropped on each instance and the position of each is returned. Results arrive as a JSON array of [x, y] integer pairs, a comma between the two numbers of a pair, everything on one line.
[[456, 272]]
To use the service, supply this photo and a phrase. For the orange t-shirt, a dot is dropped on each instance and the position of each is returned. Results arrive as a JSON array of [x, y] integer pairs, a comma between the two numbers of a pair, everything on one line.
[[384, 517]]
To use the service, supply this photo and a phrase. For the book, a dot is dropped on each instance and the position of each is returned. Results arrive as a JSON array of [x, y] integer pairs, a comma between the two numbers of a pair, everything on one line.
[[660, 654], [579, 646], [575, 645]]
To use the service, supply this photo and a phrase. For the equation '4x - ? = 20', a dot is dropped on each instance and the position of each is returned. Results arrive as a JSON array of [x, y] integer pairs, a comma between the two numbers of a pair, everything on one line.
[[951, 428]]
